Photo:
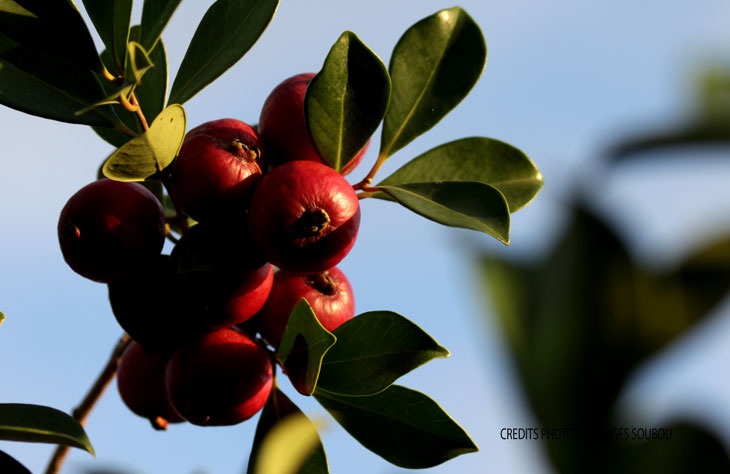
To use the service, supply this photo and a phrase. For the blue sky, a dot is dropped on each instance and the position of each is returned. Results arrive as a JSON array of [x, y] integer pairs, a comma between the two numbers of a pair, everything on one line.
[[563, 78]]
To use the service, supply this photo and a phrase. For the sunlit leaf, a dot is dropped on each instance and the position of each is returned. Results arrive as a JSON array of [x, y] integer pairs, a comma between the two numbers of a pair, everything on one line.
[[307, 454], [479, 159], [346, 101], [40, 424], [470, 205], [434, 65], [405, 427], [140, 61], [303, 345], [372, 351], [151, 152], [227, 31]]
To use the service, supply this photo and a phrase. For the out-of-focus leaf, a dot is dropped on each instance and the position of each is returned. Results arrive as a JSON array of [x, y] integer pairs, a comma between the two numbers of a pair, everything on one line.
[[8, 465], [2, 318], [405, 427], [373, 350], [469, 205], [40, 424], [111, 20], [303, 346], [155, 15], [227, 31], [434, 65], [302, 460], [346, 101], [150, 152], [479, 159], [690, 449]]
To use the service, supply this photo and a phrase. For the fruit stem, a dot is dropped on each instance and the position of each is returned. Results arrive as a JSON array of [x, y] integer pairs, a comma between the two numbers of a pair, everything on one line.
[[92, 396], [142, 120], [364, 185]]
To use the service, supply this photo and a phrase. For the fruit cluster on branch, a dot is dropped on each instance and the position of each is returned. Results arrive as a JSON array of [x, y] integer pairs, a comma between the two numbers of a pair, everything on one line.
[[194, 315]]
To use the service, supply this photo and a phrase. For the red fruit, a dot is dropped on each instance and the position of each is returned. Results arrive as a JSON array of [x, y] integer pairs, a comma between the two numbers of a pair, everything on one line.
[[328, 293], [218, 167], [304, 217], [221, 278], [141, 383], [221, 378], [108, 228], [283, 125]]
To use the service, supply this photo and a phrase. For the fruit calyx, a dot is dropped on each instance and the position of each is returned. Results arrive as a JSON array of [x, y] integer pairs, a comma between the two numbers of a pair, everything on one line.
[[311, 224], [322, 283], [248, 153]]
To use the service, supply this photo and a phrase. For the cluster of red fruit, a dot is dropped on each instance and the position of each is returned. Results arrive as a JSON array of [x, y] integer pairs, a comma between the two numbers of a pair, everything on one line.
[[262, 198]]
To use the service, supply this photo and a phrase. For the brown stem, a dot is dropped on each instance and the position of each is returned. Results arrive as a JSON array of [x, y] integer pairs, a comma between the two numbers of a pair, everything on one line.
[[368, 180], [87, 404]]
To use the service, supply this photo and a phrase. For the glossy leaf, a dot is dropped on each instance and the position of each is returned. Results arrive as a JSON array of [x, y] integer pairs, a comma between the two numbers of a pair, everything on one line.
[[155, 15], [150, 152], [111, 20], [405, 427], [346, 101], [479, 159], [373, 350], [434, 65], [50, 28], [40, 424], [470, 205], [278, 409], [303, 346], [227, 31], [9, 465]]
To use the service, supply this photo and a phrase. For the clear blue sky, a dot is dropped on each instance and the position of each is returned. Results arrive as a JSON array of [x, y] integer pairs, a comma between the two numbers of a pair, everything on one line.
[[562, 78]]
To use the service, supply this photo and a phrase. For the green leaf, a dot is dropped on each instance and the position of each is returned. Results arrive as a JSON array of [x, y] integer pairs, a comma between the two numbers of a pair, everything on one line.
[[372, 351], [470, 205], [111, 20], [52, 29], [433, 67], [140, 61], [479, 159], [303, 346], [49, 87], [150, 152], [8, 464], [2, 318], [346, 101], [155, 15], [227, 31], [305, 461], [151, 93], [40, 424], [405, 427]]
